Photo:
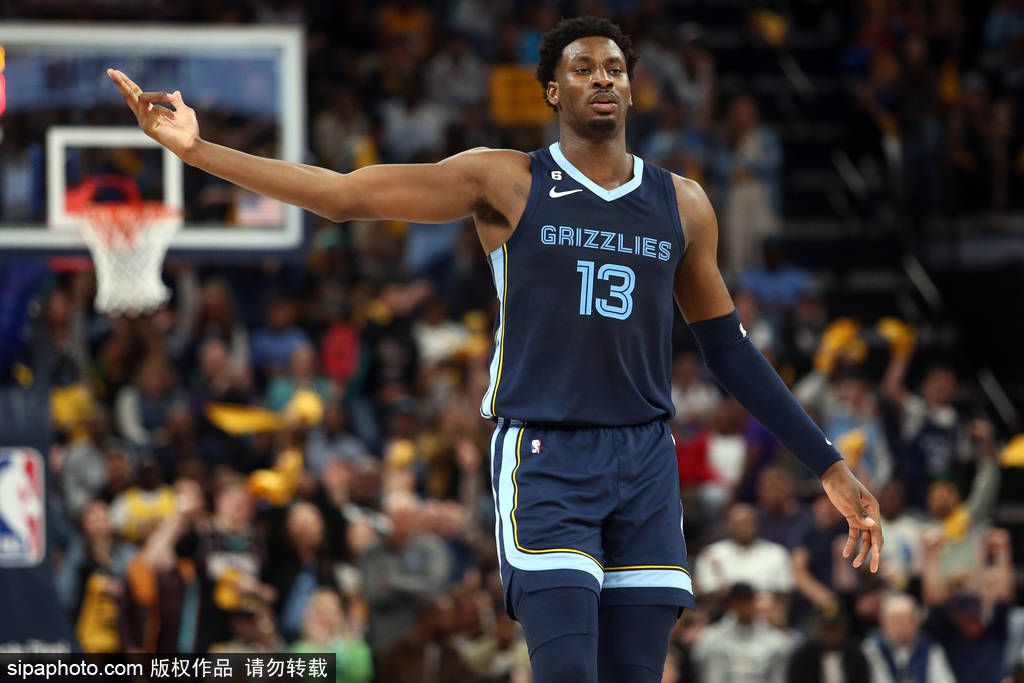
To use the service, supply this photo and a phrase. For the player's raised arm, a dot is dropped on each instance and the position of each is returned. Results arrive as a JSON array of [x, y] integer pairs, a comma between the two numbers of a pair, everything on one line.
[[741, 369], [427, 193]]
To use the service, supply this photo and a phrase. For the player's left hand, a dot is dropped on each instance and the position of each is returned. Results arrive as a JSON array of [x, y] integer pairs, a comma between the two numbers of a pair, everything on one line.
[[860, 509]]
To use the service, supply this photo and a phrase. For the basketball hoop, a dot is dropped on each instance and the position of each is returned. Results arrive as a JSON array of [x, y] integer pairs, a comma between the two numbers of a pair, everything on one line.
[[128, 241]]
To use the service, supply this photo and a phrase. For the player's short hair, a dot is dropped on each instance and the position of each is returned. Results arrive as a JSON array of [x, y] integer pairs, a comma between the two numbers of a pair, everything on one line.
[[568, 30]]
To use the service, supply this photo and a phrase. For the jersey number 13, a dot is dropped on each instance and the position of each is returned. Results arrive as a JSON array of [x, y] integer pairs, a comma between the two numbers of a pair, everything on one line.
[[619, 303]]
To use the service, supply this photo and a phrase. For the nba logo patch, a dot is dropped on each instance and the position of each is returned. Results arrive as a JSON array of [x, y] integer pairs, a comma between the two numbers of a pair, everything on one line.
[[535, 446], [22, 508]]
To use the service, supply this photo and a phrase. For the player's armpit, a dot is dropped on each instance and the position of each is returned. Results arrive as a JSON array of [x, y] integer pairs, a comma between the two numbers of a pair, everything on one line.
[[699, 289]]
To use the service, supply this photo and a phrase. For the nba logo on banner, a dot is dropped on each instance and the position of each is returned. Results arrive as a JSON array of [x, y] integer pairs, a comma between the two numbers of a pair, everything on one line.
[[22, 508]]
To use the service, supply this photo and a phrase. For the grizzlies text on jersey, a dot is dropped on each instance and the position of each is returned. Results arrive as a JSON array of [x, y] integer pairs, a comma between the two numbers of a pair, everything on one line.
[[585, 292]]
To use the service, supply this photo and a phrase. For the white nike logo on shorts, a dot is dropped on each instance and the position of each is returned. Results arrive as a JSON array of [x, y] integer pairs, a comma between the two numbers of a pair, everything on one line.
[[555, 194]]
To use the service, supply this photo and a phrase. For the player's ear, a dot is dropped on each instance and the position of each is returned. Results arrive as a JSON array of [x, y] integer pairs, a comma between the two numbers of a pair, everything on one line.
[[552, 94]]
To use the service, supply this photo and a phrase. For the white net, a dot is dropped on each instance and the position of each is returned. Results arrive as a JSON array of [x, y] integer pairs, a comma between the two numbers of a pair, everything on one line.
[[128, 243]]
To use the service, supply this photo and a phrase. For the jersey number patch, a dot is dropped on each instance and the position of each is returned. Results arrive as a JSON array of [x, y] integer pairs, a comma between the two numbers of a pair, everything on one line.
[[619, 305]]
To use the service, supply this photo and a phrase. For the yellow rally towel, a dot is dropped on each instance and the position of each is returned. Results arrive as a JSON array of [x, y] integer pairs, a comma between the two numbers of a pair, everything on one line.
[[839, 338], [277, 486], [239, 420], [956, 525], [851, 445], [70, 406], [305, 406], [901, 336], [1013, 453]]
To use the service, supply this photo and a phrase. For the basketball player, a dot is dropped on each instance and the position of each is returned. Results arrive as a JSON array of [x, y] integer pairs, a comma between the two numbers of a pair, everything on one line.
[[590, 248]]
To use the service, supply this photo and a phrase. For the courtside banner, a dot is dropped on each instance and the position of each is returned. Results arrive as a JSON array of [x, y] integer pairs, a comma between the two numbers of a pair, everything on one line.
[[142, 668]]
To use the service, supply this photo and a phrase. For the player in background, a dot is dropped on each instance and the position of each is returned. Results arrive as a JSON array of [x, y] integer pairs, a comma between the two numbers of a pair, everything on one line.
[[590, 248]]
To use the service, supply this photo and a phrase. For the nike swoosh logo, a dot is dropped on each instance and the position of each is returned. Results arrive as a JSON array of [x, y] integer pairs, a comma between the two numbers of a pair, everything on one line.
[[555, 194]]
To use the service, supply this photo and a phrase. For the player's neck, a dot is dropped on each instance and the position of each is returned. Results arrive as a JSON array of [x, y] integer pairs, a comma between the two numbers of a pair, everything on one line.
[[604, 160]]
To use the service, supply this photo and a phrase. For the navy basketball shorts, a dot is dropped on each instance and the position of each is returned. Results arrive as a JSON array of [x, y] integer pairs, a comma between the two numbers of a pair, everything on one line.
[[592, 507]]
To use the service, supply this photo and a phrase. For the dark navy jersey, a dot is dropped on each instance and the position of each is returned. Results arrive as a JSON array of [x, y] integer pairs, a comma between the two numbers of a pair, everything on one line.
[[585, 291]]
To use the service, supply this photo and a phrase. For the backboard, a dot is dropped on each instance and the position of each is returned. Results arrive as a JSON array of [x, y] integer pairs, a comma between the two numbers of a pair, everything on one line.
[[67, 138]]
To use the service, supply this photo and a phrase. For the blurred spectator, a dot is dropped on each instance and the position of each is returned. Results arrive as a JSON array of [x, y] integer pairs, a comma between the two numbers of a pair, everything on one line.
[[968, 614], [427, 651], [685, 67], [781, 517], [406, 21], [138, 510], [216, 318], [676, 144], [901, 555], [964, 524], [850, 417], [91, 582], [900, 652], [301, 566], [744, 558], [760, 330], [740, 647], [273, 346], [829, 657], [402, 573], [456, 75], [83, 473], [163, 597], [712, 461], [816, 554], [929, 426], [774, 611], [230, 560], [326, 629], [777, 285], [413, 124], [747, 167], [694, 397], [341, 132], [251, 629], [499, 653], [438, 337], [301, 376], [144, 407], [332, 441], [339, 351], [217, 382]]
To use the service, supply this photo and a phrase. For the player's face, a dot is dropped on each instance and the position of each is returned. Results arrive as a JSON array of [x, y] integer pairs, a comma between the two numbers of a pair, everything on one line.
[[591, 86]]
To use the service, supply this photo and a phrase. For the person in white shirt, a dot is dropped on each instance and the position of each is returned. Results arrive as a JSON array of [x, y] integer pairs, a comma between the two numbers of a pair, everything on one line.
[[899, 653], [742, 557], [741, 647]]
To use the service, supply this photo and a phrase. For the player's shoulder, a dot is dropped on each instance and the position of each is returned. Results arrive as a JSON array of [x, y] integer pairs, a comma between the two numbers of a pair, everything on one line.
[[693, 201], [487, 157], [688, 191], [490, 168]]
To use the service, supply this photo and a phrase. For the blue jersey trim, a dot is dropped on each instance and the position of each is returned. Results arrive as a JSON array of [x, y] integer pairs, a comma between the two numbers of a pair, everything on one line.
[[578, 176], [673, 202], [499, 270]]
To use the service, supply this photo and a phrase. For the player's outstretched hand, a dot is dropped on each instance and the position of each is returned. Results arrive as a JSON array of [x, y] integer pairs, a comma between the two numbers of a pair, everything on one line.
[[175, 128], [860, 509]]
